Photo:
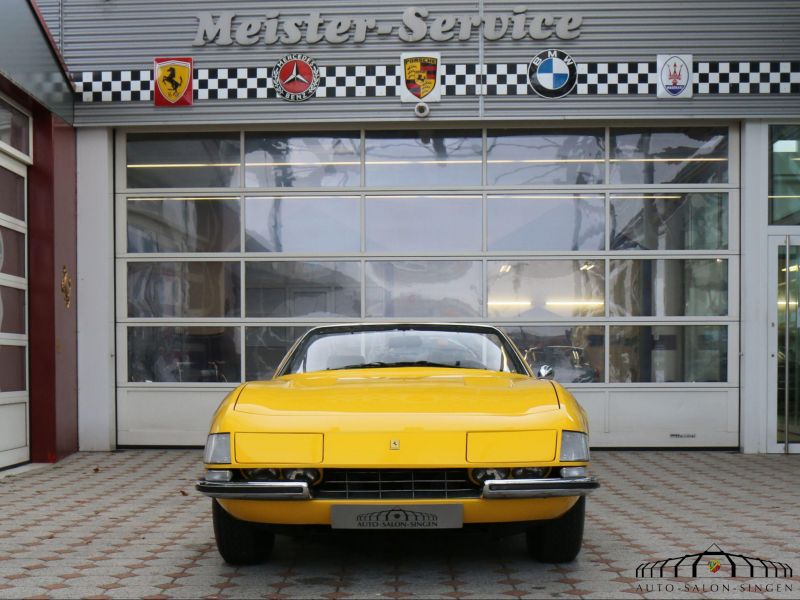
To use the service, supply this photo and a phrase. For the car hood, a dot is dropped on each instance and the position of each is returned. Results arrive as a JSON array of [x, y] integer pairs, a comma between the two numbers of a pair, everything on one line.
[[409, 390]]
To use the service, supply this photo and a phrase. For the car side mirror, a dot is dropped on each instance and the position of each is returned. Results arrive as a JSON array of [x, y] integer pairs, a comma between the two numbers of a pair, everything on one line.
[[545, 372]]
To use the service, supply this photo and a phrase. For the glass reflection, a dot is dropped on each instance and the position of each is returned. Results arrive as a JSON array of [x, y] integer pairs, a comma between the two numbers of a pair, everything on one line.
[[265, 348], [12, 252], [313, 160], [546, 289], [423, 158], [14, 128], [12, 369], [12, 194], [303, 224], [303, 289], [183, 289], [576, 352], [565, 222], [669, 221], [184, 354], [424, 288], [669, 155], [784, 166], [183, 225], [669, 287], [450, 224], [187, 160], [668, 353], [545, 157], [12, 310]]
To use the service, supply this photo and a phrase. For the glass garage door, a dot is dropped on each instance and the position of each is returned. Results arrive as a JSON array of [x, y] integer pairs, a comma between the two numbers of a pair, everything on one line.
[[610, 253], [14, 145]]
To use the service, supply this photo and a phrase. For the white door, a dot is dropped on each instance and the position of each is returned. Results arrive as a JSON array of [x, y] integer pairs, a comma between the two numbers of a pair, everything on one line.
[[783, 418], [14, 428]]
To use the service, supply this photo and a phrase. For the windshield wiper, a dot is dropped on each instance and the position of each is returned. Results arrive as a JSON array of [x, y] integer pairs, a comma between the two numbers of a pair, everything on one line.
[[416, 363], [369, 365]]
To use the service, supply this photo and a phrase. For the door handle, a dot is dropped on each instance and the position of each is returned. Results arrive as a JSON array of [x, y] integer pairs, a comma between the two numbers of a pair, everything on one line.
[[66, 286]]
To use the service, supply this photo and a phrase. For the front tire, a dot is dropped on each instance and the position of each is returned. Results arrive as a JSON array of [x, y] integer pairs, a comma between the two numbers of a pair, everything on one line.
[[559, 540], [240, 542]]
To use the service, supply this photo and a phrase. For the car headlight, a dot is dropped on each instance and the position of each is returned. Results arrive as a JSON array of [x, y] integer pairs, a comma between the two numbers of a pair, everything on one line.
[[478, 476], [218, 449], [530, 472], [310, 476], [574, 446], [261, 474]]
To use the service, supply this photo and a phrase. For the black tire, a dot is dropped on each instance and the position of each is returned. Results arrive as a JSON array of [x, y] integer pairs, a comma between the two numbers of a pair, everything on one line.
[[559, 540], [240, 542]]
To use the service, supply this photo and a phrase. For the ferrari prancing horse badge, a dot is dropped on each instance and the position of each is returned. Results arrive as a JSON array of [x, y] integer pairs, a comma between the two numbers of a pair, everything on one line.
[[173, 81]]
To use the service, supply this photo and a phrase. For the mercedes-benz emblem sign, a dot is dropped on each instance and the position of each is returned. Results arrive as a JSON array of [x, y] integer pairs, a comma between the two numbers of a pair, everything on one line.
[[295, 77], [552, 74]]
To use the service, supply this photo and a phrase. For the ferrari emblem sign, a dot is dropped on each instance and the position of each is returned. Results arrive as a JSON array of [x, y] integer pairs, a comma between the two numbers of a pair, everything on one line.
[[420, 77], [173, 81], [295, 77]]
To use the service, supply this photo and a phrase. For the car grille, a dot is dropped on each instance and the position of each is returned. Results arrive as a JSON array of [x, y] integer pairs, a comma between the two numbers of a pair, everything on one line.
[[395, 484]]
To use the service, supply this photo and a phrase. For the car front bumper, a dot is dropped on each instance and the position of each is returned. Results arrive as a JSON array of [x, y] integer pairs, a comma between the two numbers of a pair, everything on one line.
[[553, 487]]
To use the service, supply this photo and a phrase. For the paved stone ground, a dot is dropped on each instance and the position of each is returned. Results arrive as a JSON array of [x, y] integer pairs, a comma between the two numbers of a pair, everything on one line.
[[129, 524]]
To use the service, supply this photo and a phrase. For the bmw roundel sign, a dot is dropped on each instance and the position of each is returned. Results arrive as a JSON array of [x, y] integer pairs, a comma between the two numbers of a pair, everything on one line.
[[552, 74]]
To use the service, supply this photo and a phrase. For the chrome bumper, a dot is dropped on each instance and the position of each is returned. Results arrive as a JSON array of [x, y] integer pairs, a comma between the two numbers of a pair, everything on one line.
[[539, 488], [254, 490], [495, 488]]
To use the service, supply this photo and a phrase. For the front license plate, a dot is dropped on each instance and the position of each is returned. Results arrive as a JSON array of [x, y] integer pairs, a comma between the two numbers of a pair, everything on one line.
[[416, 516]]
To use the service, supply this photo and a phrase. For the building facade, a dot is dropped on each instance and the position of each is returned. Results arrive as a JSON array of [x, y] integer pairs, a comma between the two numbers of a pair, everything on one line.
[[616, 185], [38, 322]]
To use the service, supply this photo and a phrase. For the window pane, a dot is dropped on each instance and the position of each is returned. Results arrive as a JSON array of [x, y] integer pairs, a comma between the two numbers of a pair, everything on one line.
[[784, 188], [14, 128], [12, 194], [423, 158], [567, 222], [183, 289], [265, 348], [669, 221], [576, 352], [406, 224], [546, 289], [668, 353], [314, 160], [12, 252], [12, 368], [422, 288], [183, 160], [317, 225], [303, 289], [669, 155], [183, 354], [12, 310], [183, 225], [545, 157], [669, 287]]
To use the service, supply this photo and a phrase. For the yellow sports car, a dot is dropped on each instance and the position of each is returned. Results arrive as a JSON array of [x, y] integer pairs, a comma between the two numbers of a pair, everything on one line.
[[399, 427]]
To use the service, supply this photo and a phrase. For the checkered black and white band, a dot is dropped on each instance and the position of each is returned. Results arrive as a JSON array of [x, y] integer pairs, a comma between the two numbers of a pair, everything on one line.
[[499, 79]]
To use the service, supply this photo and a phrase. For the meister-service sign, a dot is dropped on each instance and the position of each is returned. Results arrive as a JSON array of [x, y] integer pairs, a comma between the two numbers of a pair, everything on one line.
[[226, 28]]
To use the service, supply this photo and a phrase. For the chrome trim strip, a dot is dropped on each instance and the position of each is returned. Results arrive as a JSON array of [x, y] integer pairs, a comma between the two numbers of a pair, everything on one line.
[[552, 487], [254, 490]]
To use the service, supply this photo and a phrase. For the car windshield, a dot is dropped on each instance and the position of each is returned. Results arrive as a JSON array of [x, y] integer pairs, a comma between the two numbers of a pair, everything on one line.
[[328, 350]]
